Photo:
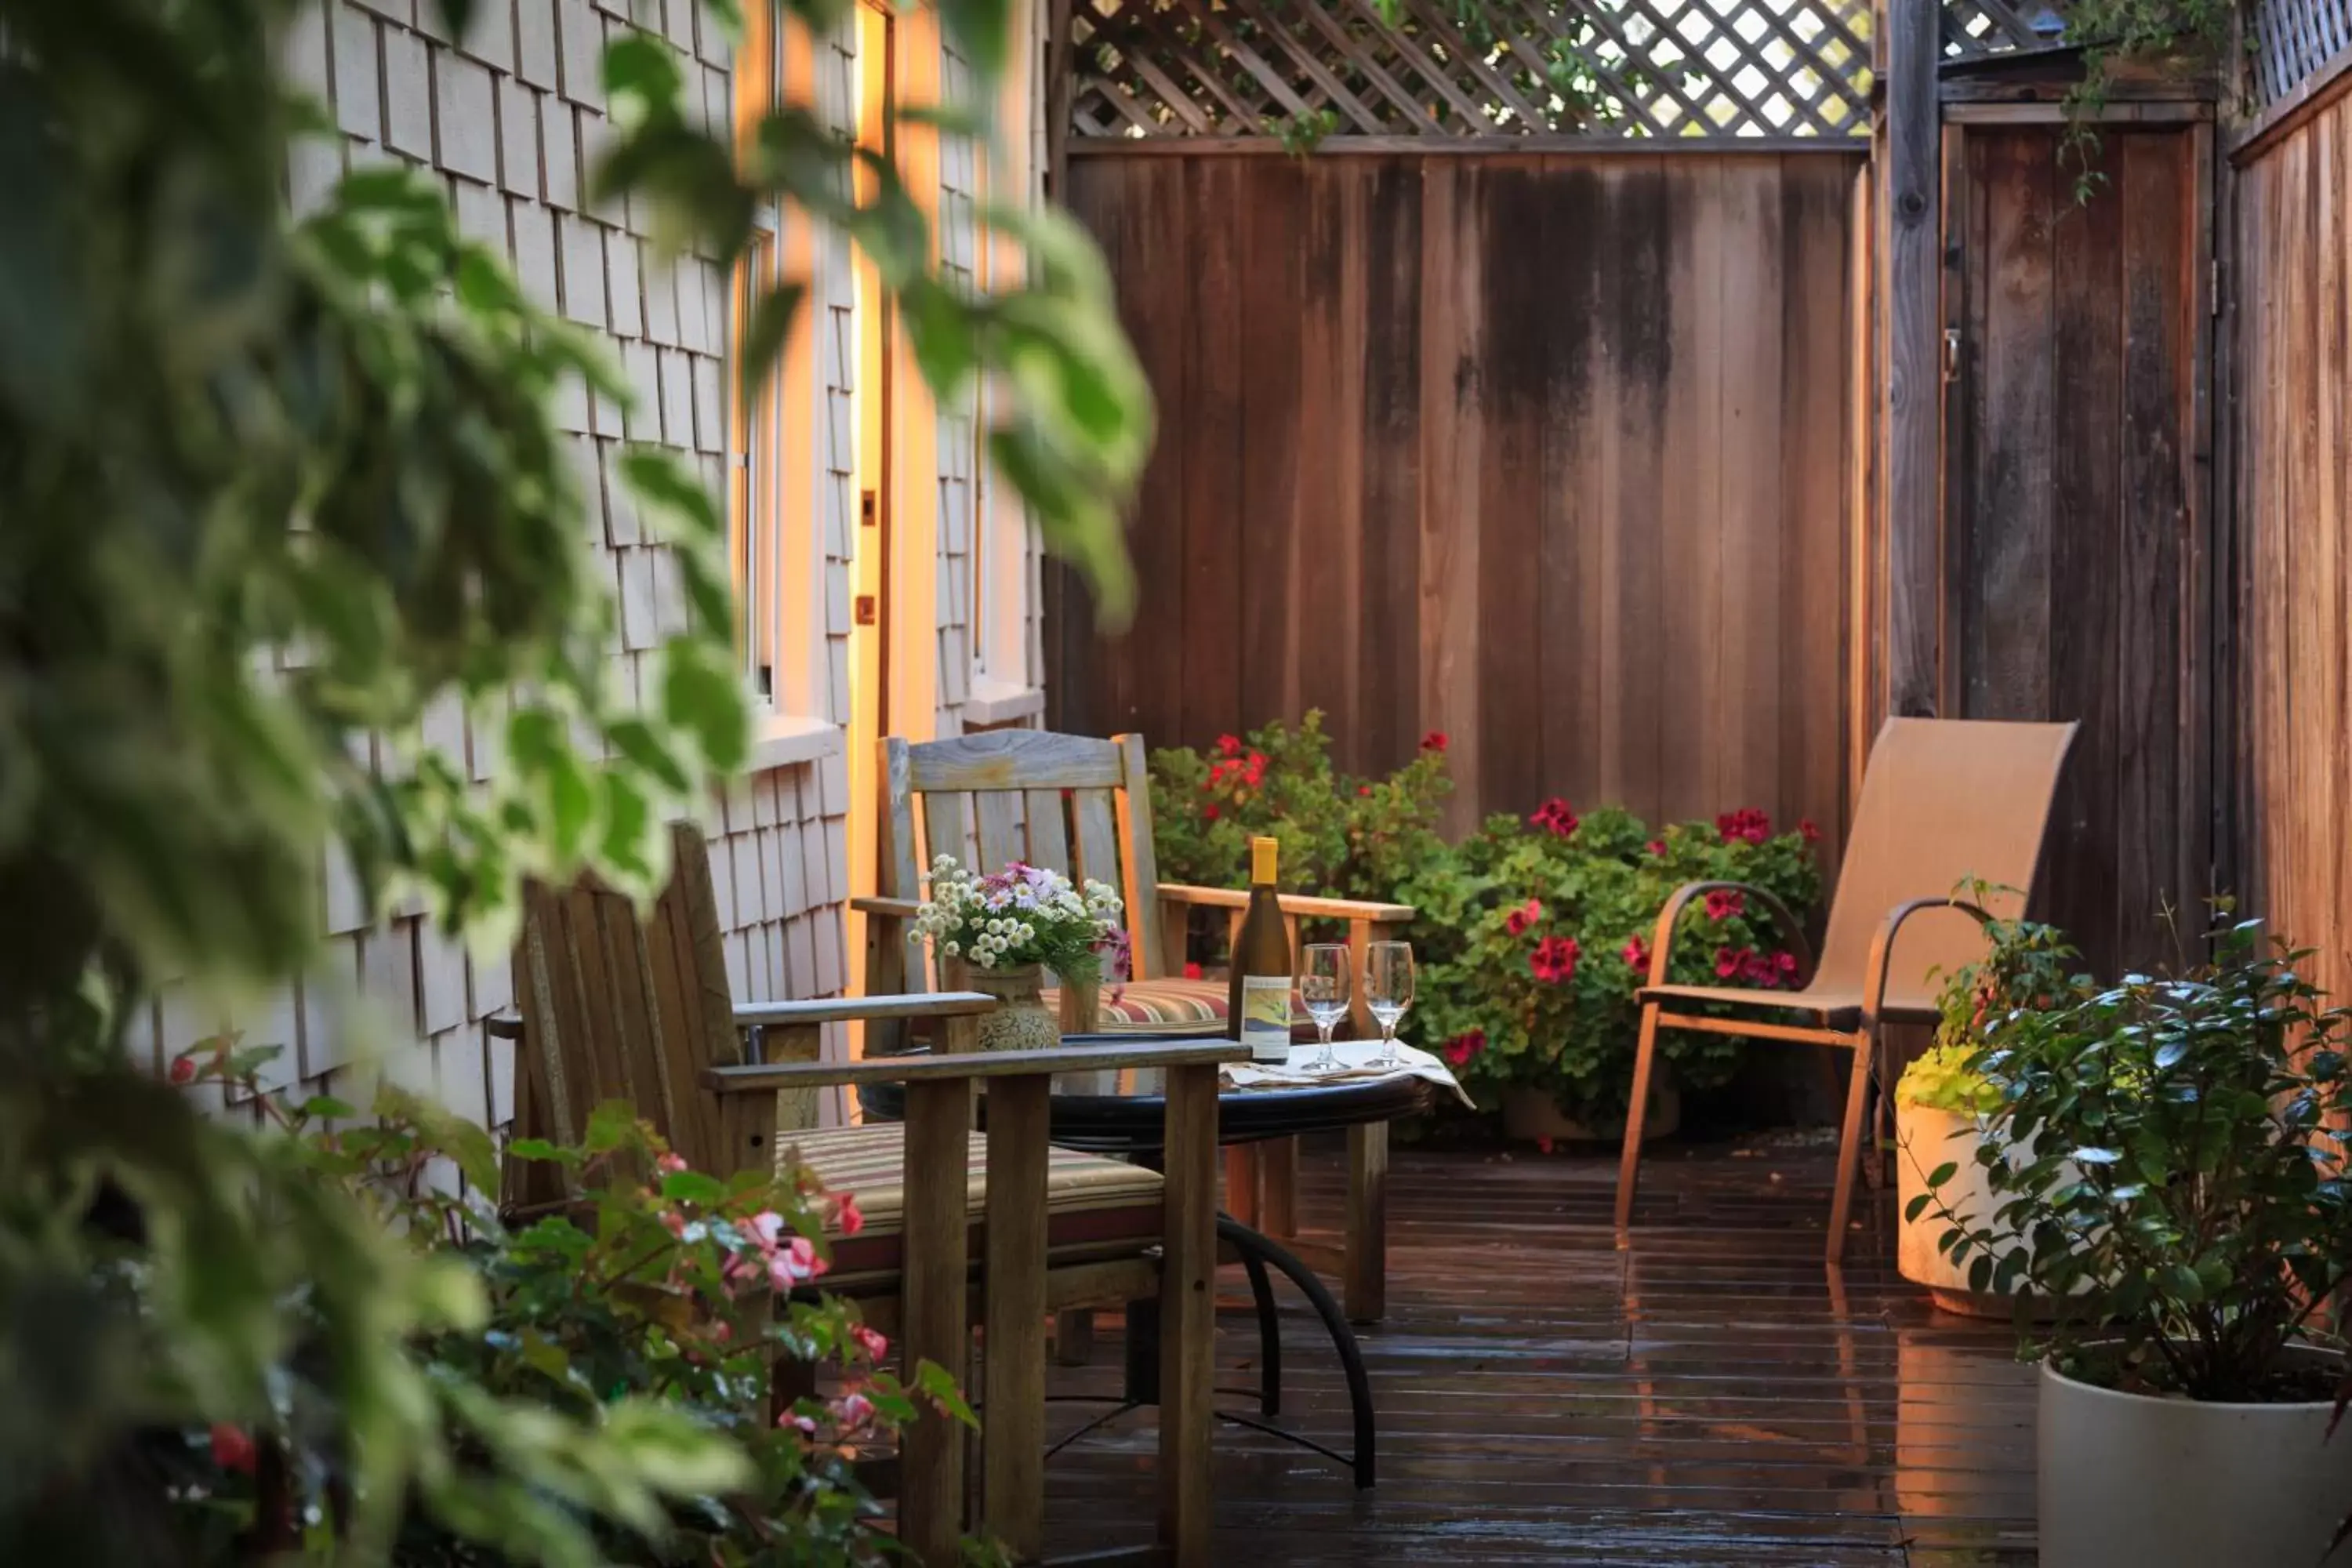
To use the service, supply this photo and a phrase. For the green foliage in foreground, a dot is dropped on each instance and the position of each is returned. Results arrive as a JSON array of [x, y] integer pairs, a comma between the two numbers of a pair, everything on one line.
[[274, 493]]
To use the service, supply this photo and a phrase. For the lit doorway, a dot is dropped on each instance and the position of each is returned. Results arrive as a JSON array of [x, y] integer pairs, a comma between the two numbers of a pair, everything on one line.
[[872, 712]]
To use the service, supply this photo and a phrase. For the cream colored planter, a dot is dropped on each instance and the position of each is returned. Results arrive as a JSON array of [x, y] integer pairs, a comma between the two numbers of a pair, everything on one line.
[[1925, 1139], [2125, 1479]]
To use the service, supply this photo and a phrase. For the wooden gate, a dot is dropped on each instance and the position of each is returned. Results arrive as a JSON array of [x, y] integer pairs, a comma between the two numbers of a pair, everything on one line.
[[2076, 493]]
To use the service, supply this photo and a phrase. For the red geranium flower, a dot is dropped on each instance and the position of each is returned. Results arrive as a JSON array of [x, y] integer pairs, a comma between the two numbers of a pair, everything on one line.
[[184, 1069], [1655, 847], [1254, 775], [1363, 789], [1725, 902], [1519, 919], [1784, 964], [1637, 954], [233, 1448], [1747, 822], [1554, 959], [1556, 816], [1210, 813], [1191, 972], [1228, 745], [1812, 834], [1464, 1048], [847, 1213], [1728, 961], [1434, 741]]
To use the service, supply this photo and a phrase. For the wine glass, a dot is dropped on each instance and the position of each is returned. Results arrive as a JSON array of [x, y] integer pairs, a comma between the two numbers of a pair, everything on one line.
[[1388, 990], [1323, 985]]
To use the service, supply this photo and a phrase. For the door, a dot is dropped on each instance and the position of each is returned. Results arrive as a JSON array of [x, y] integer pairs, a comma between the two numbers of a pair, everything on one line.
[[2075, 457]]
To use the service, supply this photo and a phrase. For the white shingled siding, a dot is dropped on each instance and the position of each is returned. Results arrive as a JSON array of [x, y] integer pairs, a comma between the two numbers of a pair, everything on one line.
[[511, 118]]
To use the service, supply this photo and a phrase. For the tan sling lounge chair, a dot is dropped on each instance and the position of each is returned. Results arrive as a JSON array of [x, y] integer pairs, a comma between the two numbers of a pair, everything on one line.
[[1944, 803]]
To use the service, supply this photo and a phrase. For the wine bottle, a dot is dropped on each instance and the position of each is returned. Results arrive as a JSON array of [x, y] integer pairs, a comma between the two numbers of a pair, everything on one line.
[[1259, 1000]]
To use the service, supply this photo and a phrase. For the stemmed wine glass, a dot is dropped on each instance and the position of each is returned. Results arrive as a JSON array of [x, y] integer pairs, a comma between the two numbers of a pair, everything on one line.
[[1323, 987], [1388, 990]]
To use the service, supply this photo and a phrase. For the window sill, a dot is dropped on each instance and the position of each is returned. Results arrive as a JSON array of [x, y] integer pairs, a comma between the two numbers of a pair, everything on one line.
[[781, 739], [1001, 702]]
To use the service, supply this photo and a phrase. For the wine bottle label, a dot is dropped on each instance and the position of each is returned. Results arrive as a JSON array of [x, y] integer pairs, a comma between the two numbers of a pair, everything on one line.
[[1266, 1017]]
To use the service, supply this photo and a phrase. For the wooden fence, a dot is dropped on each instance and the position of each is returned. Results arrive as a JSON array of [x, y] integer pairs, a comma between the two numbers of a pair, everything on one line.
[[1549, 452], [2294, 381]]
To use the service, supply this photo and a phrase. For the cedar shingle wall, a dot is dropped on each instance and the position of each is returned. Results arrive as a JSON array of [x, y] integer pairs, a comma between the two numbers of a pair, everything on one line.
[[511, 118]]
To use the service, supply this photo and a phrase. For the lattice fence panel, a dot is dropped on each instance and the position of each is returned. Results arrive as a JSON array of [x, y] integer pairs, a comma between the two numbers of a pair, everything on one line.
[[1991, 27], [2290, 39], [1312, 69]]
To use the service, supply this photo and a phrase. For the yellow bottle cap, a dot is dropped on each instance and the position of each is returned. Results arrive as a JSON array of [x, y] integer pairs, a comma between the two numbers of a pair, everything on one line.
[[1263, 852]]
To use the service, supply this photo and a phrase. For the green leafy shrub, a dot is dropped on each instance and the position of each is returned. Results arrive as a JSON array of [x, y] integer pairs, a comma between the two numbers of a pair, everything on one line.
[[1532, 934], [590, 1386], [2166, 1161], [1941, 1079]]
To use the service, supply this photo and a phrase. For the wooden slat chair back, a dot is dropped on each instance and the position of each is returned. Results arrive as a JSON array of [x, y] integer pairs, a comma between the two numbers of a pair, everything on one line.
[[618, 1008], [1072, 803], [1947, 837]]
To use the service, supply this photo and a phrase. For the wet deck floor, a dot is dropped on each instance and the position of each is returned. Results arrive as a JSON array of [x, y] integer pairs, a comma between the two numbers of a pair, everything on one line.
[[1712, 1394]]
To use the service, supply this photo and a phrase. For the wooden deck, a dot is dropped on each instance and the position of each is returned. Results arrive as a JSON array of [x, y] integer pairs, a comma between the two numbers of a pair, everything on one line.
[[1712, 1394]]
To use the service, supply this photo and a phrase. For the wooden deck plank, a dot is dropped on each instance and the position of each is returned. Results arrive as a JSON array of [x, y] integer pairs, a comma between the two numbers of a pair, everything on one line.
[[1709, 1394]]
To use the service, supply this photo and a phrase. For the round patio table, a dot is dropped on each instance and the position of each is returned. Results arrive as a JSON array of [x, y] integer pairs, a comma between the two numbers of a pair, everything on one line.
[[1123, 1114]]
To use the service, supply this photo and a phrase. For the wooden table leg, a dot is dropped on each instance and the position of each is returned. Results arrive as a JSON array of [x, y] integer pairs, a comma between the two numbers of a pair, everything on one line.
[[1013, 1447], [1366, 1285], [1241, 1183], [1188, 1319], [932, 1315], [1277, 1195]]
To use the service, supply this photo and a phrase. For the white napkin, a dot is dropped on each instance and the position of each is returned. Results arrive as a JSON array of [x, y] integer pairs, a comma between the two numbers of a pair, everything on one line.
[[1356, 1059]]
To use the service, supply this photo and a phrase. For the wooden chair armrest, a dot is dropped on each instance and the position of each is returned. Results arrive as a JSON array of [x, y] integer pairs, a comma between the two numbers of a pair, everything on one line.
[[1792, 931], [1301, 904], [886, 909], [920, 1066], [862, 1009]]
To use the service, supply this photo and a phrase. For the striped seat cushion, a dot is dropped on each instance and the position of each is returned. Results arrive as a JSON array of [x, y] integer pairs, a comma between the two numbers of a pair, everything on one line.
[[1094, 1207], [1169, 1006]]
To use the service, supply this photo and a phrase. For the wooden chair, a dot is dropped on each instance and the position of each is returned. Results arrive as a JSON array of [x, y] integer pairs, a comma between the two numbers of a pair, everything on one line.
[[1082, 806], [1944, 803], [613, 1007]]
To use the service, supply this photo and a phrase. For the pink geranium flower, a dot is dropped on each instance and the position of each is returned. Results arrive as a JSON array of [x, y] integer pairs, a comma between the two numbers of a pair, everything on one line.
[[1556, 816], [1747, 822], [1725, 902], [1517, 921], [1463, 1048], [1636, 954]]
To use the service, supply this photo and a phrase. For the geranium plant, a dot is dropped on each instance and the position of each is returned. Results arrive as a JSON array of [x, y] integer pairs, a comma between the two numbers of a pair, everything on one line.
[[1341, 836], [2167, 1159], [1535, 935], [641, 1325], [1022, 914]]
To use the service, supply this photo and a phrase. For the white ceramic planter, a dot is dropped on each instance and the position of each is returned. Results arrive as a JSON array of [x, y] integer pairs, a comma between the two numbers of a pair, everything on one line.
[[2124, 1479]]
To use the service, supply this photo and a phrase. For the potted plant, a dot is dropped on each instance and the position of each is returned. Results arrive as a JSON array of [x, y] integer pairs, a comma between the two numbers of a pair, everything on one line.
[[1000, 933], [1944, 1097], [2164, 1167]]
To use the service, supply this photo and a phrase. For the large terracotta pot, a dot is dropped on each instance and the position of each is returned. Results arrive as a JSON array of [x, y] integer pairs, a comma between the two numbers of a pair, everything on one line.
[[1530, 1113], [2173, 1483]]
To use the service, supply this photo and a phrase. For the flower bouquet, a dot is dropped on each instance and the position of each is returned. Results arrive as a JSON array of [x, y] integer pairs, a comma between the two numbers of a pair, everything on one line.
[[1005, 930]]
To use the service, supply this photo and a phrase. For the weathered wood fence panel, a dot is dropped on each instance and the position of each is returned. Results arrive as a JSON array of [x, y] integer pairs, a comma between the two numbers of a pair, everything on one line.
[[1547, 451], [2294, 381], [2076, 509]]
